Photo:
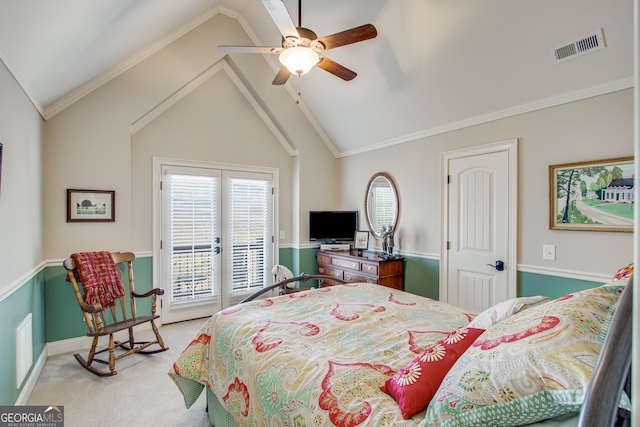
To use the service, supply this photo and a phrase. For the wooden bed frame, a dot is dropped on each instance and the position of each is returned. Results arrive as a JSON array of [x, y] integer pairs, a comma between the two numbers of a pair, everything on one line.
[[612, 373]]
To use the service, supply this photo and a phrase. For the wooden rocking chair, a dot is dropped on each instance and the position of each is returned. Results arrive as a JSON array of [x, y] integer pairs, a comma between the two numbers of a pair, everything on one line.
[[101, 280]]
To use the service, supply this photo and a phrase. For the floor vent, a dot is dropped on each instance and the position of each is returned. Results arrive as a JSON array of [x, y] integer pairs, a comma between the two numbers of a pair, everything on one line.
[[576, 48], [24, 350]]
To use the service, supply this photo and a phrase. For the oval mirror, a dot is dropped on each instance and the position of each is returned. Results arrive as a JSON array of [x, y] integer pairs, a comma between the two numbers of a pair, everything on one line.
[[381, 204]]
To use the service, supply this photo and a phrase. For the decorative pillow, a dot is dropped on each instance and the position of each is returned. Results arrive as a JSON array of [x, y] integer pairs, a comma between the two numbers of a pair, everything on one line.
[[624, 272], [529, 367], [504, 309], [414, 385]]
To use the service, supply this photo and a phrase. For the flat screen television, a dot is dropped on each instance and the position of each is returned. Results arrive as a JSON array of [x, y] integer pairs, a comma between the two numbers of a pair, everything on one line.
[[333, 226]]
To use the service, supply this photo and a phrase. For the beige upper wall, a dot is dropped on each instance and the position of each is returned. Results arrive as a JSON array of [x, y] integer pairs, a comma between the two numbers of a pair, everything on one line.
[[89, 145], [591, 129], [198, 128], [21, 187]]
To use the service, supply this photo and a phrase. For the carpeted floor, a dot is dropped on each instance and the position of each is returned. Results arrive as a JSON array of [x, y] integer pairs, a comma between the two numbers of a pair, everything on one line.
[[141, 394]]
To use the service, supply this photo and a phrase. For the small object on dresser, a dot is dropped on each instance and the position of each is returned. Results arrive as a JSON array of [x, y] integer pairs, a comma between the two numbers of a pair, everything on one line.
[[361, 240], [387, 241]]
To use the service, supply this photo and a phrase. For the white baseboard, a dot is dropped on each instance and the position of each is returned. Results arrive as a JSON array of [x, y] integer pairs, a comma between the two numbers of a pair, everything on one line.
[[71, 345], [80, 344], [68, 346], [32, 379]]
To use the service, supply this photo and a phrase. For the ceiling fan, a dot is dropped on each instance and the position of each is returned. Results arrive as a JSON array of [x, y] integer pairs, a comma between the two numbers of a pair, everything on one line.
[[301, 48]]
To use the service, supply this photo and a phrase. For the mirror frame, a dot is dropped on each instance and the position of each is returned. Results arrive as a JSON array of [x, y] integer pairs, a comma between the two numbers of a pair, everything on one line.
[[387, 177]]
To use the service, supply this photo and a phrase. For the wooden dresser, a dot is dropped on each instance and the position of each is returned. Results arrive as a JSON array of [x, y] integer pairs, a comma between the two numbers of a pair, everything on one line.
[[366, 267]]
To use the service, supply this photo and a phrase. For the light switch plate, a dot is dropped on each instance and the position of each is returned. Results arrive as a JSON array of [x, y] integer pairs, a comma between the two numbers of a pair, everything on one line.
[[549, 252]]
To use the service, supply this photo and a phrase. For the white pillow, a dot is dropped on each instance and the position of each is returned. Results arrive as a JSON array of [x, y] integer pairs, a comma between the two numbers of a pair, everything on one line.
[[504, 309]]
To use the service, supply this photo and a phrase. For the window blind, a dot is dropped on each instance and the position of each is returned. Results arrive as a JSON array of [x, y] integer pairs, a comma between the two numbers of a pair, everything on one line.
[[249, 222], [192, 221]]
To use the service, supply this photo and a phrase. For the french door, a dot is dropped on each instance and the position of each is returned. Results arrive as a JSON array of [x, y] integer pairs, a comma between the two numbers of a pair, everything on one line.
[[217, 240]]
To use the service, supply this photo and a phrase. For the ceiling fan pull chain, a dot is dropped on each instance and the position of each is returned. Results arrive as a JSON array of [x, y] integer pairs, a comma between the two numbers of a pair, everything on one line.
[[299, 91]]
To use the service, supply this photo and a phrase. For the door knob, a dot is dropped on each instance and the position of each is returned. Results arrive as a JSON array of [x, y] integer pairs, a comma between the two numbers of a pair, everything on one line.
[[499, 266]]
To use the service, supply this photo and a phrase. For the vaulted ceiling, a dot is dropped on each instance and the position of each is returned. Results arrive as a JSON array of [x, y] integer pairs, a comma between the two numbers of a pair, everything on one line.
[[434, 66]]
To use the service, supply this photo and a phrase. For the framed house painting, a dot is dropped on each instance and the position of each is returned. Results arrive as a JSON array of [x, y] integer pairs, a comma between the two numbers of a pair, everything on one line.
[[91, 206], [592, 196]]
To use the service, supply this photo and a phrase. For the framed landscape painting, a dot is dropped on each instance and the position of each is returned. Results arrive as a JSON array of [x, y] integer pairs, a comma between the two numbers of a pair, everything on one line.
[[592, 196], [91, 206]]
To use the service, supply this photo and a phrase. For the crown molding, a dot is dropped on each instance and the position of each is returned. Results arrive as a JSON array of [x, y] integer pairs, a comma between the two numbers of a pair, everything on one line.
[[222, 65], [13, 69], [128, 63], [567, 98]]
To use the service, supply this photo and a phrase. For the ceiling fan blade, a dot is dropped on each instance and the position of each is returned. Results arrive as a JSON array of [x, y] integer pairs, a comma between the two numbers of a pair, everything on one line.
[[282, 76], [354, 35], [281, 18], [249, 49], [336, 69]]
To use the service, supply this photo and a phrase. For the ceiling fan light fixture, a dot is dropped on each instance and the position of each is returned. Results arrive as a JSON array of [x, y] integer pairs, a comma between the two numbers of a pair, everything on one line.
[[299, 60]]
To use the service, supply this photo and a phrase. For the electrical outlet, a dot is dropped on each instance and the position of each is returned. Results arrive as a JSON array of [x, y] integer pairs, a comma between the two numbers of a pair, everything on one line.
[[549, 252]]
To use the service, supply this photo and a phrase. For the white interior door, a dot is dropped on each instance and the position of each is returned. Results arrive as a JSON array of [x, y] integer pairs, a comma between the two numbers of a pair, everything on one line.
[[478, 267]]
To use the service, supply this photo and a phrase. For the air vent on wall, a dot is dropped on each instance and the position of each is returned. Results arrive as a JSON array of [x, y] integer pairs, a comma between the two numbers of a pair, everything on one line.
[[576, 48]]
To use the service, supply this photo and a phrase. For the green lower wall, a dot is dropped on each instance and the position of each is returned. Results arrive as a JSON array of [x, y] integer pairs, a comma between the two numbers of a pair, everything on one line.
[[305, 261], [29, 298], [286, 258], [421, 277], [56, 316], [531, 284]]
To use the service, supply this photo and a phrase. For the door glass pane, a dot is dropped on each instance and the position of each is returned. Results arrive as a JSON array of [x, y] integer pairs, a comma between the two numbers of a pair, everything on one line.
[[250, 220], [191, 222]]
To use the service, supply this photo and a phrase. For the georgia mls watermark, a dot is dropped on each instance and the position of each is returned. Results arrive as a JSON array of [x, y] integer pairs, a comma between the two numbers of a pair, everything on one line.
[[31, 416]]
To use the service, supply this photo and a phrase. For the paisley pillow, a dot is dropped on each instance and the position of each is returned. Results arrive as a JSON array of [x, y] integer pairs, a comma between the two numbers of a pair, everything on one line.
[[532, 366]]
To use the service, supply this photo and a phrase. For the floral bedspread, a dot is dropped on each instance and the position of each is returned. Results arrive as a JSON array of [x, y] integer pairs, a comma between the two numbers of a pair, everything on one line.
[[313, 358]]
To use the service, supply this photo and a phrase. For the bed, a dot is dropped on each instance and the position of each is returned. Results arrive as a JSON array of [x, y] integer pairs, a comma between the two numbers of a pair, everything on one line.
[[362, 354]]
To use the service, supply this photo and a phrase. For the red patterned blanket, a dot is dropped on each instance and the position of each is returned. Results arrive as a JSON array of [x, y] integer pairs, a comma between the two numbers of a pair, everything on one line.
[[99, 276]]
